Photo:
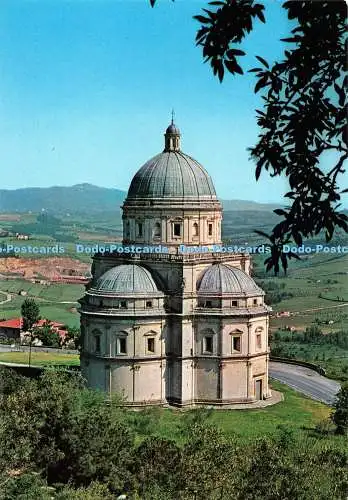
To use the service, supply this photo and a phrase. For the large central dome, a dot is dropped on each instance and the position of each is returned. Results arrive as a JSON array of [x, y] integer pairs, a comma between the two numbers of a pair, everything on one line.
[[172, 174]]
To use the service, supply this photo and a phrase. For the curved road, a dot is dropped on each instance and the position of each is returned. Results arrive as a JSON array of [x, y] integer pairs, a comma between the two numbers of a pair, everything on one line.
[[305, 380]]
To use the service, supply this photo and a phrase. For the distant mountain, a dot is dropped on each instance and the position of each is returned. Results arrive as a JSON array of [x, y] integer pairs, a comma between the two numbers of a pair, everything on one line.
[[232, 205], [80, 198], [83, 198]]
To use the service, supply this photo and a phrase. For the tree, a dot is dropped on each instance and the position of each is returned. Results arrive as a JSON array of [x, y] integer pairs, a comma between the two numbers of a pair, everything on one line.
[[209, 463], [27, 486], [47, 335], [73, 334], [156, 467], [30, 315], [304, 109], [65, 431], [340, 415]]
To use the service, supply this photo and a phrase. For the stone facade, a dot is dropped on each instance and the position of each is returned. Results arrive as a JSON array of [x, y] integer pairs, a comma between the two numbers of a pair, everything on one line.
[[174, 328]]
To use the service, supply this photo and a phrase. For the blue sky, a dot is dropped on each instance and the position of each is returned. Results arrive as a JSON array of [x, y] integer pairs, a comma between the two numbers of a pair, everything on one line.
[[87, 88]]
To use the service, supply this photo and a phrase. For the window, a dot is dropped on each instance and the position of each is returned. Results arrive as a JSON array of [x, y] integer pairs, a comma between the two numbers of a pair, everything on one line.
[[236, 344], [140, 229], [208, 344], [149, 303], [97, 343], [255, 302], [121, 345], [195, 229], [234, 303], [258, 341], [210, 229], [208, 303], [123, 304], [177, 229], [150, 345], [127, 229], [157, 230]]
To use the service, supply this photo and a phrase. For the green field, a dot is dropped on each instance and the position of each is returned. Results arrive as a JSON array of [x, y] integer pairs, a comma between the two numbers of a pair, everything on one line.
[[48, 297], [309, 281], [40, 358], [296, 412]]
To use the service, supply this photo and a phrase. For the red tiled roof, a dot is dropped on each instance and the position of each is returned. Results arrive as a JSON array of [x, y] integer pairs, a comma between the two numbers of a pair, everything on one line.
[[11, 323], [18, 323]]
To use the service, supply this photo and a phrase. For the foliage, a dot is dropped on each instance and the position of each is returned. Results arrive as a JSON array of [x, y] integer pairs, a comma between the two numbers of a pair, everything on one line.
[[56, 432], [30, 314], [95, 491], [325, 427], [208, 462], [25, 486], [304, 109], [61, 441], [314, 335], [153, 458], [73, 335], [340, 415], [47, 335]]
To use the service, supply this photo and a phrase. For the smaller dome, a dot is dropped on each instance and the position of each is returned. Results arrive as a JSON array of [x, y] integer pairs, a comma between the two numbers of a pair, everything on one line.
[[126, 279], [228, 280], [172, 129]]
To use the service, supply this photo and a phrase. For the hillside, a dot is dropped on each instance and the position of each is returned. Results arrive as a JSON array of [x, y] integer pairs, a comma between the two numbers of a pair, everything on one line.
[[87, 198], [81, 198]]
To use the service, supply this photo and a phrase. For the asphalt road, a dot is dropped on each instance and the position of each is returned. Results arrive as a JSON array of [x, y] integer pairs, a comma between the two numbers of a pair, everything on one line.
[[306, 381]]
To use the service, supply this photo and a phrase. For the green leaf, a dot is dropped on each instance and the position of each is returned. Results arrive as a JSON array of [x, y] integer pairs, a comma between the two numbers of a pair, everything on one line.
[[260, 84], [279, 211], [263, 61], [234, 52], [202, 19], [260, 15]]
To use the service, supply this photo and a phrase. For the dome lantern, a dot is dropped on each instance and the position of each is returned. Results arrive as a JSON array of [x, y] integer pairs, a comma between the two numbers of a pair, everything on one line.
[[172, 137]]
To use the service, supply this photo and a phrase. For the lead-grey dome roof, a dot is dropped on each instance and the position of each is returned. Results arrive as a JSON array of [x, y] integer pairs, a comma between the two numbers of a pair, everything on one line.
[[172, 174], [172, 129], [225, 279], [126, 279]]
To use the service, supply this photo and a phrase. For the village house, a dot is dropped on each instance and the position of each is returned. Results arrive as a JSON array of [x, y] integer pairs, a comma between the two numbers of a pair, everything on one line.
[[13, 329]]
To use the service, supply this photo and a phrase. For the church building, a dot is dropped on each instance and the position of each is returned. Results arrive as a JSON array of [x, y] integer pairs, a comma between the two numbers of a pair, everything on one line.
[[175, 327]]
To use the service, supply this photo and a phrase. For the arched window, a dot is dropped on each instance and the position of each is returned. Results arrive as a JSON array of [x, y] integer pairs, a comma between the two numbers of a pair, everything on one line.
[[195, 228], [157, 230]]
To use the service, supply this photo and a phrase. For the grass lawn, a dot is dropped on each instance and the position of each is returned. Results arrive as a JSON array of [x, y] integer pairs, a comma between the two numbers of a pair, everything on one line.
[[40, 358], [296, 412]]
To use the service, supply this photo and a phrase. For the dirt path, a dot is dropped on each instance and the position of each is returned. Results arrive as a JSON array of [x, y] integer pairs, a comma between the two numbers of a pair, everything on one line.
[[8, 297]]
